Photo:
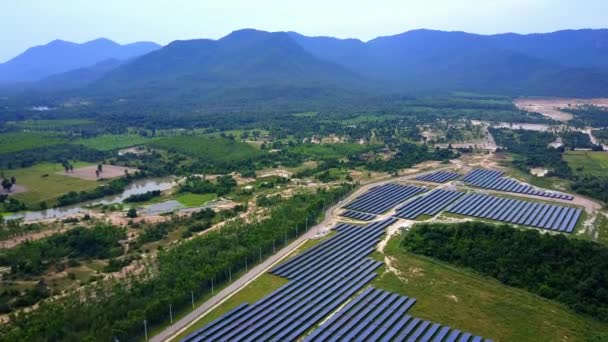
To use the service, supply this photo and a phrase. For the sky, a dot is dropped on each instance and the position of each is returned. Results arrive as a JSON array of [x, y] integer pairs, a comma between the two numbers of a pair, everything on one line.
[[26, 23]]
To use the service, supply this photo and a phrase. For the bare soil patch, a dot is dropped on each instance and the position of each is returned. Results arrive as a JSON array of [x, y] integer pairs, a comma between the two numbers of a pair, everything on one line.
[[16, 189], [108, 172], [551, 108]]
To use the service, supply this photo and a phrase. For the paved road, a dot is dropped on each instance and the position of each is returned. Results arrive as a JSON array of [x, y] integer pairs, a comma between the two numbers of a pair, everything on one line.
[[172, 331], [248, 277]]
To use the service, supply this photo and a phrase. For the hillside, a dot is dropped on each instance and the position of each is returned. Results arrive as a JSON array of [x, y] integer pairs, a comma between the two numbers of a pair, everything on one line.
[[540, 64], [60, 56], [240, 63]]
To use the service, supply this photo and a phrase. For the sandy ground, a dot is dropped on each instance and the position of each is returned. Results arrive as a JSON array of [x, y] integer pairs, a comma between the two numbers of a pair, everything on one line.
[[16, 189], [88, 172], [551, 107], [486, 143]]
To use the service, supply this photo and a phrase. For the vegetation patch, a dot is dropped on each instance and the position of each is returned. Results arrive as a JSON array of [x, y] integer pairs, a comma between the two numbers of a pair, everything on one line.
[[195, 200], [570, 271], [21, 141], [110, 142], [587, 162], [464, 299]]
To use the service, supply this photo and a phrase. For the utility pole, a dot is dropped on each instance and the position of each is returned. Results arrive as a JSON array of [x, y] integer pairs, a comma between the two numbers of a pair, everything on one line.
[[170, 313], [260, 254], [230, 273], [146, 329], [192, 297], [211, 286]]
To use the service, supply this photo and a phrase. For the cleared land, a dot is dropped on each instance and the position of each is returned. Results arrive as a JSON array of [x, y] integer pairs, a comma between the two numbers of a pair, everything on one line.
[[587, 162], [88, 172], [551, 107], [195, 200], [471, 302], [46, 182], [114, 141]]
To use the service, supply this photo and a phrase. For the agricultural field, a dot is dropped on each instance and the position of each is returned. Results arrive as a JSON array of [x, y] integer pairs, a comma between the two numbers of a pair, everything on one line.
[[329, 151], [461, 298], [208, 149], [194, 200], [21, 141], [110, 142], [45, 183], [587, 162], [50, 125]]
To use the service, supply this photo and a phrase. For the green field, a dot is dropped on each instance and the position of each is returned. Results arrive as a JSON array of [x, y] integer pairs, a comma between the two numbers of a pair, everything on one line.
[[195, 200], [329, 151], [208, 149], [587, 162], [111, 142], [50, 125], [41, 188], [480, 305], [21, 141]]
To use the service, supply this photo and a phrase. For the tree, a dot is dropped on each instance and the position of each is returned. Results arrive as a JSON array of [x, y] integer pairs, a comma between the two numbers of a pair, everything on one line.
[[100, 168], [97, 173], [7, 185], [13, 180], [132, 213]]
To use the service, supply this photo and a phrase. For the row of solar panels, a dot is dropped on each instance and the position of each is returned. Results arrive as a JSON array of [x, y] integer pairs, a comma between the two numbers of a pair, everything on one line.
[[494, 180], [351, 242], [358, 215], [321, 279], [381, 198], [438, 177], [546, 216], [377, 315], [429, 204]]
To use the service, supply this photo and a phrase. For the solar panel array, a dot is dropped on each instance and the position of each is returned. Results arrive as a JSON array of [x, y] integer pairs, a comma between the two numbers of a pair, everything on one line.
[[321, 279], [429, 204], [438, 177], [358, 216], [545, 216], [377, 315], [381, 198], [494, 180]]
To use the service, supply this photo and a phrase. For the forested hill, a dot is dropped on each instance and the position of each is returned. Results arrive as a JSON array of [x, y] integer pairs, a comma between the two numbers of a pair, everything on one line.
[[61, 56], [250, 66], [564, 63], [242, 62]]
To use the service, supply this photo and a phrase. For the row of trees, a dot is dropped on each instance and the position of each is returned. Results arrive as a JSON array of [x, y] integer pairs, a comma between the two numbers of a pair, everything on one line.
[[571, 271], [116, 310]]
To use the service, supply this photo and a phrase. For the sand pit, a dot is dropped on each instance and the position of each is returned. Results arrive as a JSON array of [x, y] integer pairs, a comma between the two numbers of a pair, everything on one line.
[[108, 172], [551, 107]]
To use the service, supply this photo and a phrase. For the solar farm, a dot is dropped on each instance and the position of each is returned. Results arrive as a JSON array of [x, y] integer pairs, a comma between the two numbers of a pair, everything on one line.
[[494, 180], [438, 177], [321, 280], [358, 215], [377, 315], [381, 198], [429, 204], [545, 216]]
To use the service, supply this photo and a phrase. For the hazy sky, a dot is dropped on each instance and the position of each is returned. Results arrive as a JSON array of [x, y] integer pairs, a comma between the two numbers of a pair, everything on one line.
[[24, 23]]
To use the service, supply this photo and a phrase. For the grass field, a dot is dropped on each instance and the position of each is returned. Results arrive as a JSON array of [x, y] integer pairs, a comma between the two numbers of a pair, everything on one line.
[[21, 141], [212, 149], [330, 151], [50, 125], [481, 305], [587, 162], [111, 142], [195, 200], [41, 188]]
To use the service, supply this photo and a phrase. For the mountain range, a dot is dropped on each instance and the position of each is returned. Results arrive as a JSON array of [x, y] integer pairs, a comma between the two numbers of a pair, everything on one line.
[[252, 64], [60, 56]]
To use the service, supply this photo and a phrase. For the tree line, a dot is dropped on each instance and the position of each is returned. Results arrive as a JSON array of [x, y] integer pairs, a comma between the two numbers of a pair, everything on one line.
[[570, 271]]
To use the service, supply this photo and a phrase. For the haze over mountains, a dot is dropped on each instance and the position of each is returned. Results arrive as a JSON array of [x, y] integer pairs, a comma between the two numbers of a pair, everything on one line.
[[250, 63], [60, 56]]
